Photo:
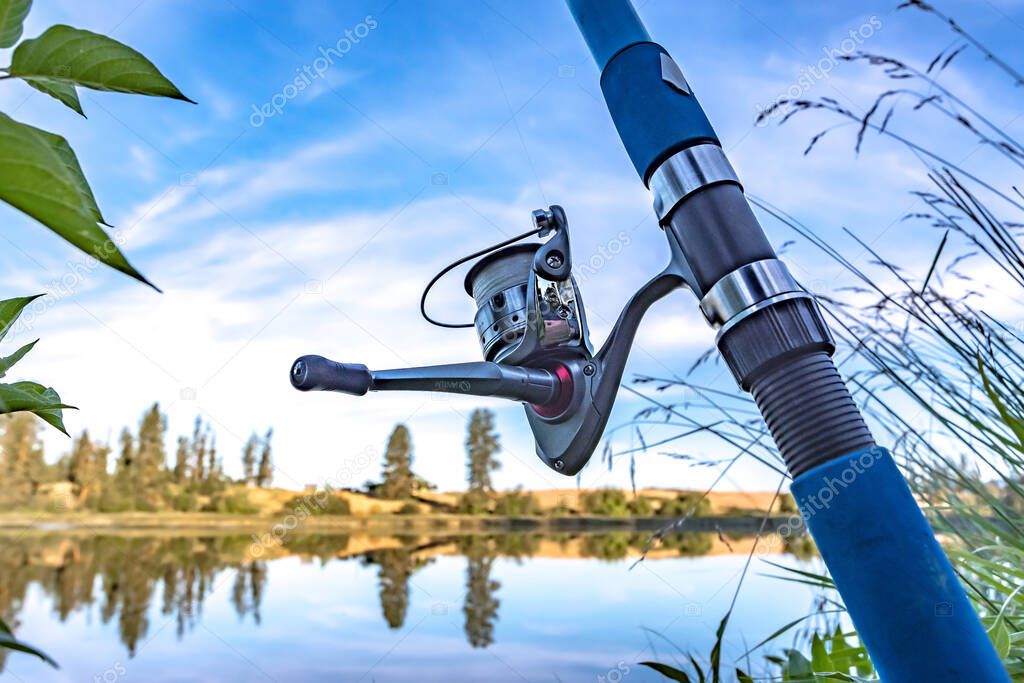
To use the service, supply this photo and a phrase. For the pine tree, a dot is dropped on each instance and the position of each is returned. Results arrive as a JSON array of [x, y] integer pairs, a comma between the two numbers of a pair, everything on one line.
[[150, 455], [87, 468], [482, 445], [398, 477], [181, 457], [266, 470], [213, 467], [124, 472], [80, 458], [198, 451], [83, 467], [102, 456], [22, 454], [249, 459]]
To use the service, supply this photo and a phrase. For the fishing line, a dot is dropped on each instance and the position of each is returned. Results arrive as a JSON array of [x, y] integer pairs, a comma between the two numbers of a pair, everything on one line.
[[455, 264]]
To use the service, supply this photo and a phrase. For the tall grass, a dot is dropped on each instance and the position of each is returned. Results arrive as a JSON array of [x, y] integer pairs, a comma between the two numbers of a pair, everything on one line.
[[938, 374]]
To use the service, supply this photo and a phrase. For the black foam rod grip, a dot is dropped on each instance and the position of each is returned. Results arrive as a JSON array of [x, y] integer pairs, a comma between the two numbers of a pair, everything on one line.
[[316, 373]]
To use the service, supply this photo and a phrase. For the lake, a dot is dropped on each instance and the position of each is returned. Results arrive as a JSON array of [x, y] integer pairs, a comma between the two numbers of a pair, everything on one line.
[[207, 606]]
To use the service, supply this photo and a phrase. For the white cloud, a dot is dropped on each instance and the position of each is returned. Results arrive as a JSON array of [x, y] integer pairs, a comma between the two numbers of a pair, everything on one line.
[[239, 249]]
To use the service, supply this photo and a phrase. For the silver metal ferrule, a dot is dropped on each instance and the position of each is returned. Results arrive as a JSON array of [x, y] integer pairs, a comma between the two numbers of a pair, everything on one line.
[[749, 289], [687, 171]]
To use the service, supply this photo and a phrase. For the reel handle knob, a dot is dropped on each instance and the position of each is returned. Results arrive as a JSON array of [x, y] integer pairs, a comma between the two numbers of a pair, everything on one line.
[[316, 373]]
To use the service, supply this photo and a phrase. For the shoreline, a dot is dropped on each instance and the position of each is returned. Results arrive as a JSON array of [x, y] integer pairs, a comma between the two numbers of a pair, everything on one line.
[[439, 523]]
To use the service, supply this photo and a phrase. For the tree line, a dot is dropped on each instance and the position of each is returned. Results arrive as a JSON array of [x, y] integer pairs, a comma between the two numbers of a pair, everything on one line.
[[139, 476], [483, 446]]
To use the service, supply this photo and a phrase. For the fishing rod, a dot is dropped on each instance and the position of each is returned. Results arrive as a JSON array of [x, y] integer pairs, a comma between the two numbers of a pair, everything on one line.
[[901, 592]]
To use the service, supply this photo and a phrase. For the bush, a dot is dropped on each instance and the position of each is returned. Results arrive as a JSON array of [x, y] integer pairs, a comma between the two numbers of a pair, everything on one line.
[[409, 508], [686, 503], [606, 502], [186, 501], [641, 507], [94, 499], [233, 504], [319, 503], [110, 501], [211, 487], [517, 503], [473, 503]]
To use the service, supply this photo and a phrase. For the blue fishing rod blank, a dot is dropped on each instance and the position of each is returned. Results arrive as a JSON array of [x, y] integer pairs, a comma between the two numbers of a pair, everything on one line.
[[902, 594]]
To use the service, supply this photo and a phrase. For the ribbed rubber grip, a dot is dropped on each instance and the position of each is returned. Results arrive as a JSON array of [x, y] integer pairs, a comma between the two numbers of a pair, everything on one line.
[[810, 412]]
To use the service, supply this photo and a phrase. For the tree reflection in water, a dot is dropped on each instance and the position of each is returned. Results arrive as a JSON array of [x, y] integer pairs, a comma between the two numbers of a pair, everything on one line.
[[120, 576], [480, 606], [396, 566]]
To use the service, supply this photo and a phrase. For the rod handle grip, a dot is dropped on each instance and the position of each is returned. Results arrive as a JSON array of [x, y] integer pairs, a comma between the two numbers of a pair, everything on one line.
[[316, 373]]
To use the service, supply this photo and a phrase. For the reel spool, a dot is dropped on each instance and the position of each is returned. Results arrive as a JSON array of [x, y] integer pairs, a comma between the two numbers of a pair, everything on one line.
[[500, 285], [519, 310]]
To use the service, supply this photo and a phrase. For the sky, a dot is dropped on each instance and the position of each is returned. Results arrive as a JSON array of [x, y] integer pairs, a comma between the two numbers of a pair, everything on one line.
[[280, 221]]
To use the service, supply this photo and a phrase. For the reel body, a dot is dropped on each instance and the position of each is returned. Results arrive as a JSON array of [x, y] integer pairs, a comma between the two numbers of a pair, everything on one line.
[[532, 328]]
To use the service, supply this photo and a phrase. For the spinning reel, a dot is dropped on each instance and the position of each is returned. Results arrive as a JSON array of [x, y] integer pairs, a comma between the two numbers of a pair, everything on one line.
[[532, 329]]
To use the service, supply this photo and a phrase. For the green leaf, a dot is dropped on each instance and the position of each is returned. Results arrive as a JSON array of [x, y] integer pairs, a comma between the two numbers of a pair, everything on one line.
[[80, 57], [34, 398], [819, 578], [820, 661], [12, 16], [12, 643], [716, 650], [6, 363], [788, 626], [1000, 636], [1009, 418], [40, 176], [844, 655], [669, 672], [696, 667], [797, 664], [65, 92], [10, 309]]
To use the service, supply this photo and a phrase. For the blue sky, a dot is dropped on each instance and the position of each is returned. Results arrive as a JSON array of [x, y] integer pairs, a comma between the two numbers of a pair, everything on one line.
[[436, 130]]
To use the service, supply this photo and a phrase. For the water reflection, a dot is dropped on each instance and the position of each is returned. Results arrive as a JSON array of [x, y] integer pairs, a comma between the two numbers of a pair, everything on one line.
[[481, 604], [119, 577]]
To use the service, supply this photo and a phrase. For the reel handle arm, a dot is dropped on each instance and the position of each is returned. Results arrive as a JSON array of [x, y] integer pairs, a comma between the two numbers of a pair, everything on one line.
[[536, 386], [566, 445]]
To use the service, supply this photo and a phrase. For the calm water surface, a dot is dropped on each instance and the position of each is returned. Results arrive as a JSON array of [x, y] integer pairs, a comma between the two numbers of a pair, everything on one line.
[[510, 607]]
